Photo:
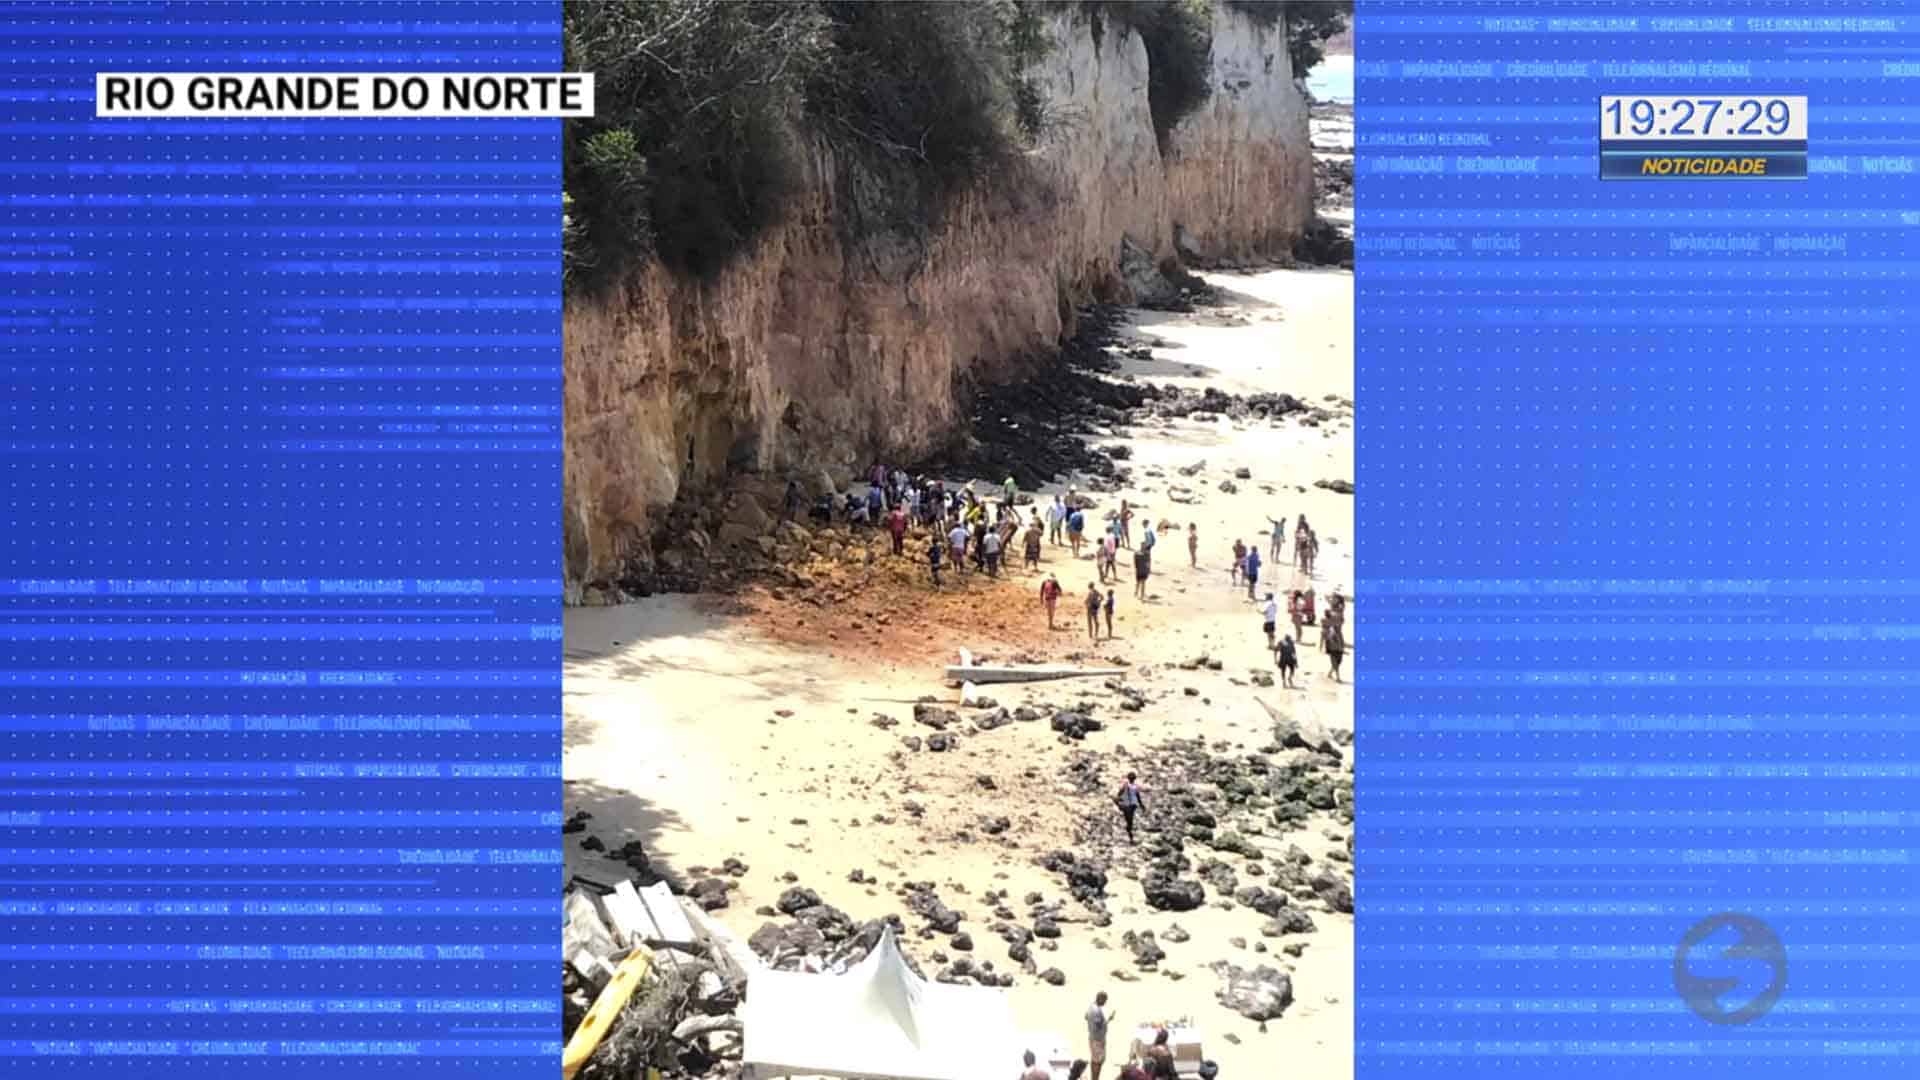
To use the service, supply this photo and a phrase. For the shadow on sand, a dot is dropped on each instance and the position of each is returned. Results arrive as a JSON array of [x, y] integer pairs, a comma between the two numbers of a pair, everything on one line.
[[618, 818]]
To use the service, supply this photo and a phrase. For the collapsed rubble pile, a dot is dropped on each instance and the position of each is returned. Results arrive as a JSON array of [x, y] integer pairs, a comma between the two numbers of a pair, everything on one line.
[[644, 987]]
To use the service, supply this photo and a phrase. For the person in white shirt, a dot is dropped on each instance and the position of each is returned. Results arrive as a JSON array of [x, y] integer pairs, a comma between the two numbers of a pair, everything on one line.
[[1271, 612], [1056, 520], [957, 544]]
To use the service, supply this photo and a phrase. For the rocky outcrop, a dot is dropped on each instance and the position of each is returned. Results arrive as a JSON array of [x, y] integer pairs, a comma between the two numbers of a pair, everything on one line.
[[819, 349]]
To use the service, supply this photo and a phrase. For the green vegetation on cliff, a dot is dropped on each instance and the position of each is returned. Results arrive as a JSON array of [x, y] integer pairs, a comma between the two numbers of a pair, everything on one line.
[[1310, 25], [695, 150]]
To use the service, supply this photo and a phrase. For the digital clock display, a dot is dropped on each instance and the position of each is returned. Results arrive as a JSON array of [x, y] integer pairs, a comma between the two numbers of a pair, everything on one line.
[[1698, 117], [1703, 137]]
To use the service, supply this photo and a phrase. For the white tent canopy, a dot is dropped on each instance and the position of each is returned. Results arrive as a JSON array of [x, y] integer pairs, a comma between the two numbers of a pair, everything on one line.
[[879, 1021]]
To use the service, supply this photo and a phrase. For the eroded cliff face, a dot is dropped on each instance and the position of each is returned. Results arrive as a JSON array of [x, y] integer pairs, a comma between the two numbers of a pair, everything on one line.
[[815, 352]]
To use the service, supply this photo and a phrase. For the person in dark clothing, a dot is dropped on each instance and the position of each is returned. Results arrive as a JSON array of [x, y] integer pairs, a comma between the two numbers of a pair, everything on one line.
[[1093, 612], [1287, 660], [934, 551], [1130, 803], [1142, 569], [796, 500]]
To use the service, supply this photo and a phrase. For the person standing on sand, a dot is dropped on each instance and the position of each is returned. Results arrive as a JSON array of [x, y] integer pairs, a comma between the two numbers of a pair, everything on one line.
[[1011, 490], [1050, 596], [1033, 544], [990, 553], [1287, 660], [897, 526], [1193, 545], [1272, 614], [1109, 614], [957, 547], [1056, 521], [1126, 524], [933, 559], [1335, 640], [1297, 611], [1109, 552], [1076, 530], [1239, 562], [1278, 542], [1142, 569], [1093, 611], [1253, 571], [1098, 1019], [1130, 803]]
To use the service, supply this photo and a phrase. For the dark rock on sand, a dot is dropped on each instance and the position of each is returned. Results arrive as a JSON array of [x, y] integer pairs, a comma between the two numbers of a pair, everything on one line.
[[796, 900], [1172, 894]]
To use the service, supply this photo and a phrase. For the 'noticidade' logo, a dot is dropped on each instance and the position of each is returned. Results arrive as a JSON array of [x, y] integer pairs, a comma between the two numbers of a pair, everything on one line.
[[1704, 994]]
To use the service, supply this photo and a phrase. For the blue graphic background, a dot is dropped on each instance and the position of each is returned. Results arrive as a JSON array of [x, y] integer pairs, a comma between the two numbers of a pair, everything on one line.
[[281, 606], [1636, 546]]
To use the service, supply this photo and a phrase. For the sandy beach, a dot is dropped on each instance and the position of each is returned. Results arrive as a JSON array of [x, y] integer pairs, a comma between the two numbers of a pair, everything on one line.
[[773, 726]]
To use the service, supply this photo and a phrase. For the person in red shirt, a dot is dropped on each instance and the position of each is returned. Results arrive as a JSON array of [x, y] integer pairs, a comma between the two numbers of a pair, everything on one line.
[[897, 525], [1050, 596]]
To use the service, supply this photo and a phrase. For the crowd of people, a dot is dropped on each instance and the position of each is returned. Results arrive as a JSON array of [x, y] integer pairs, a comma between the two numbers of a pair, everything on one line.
[[971, 533]]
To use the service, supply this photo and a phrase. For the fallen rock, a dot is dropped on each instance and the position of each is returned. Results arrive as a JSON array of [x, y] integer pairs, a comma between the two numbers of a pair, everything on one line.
[[1165, 893], [1261, 994], [1289, 920], [796, 900], [1147, 952], [935, 718], [1334, 892]]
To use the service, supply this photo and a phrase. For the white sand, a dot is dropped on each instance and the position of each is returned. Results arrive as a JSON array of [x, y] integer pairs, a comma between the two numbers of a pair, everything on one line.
[[672, 737]]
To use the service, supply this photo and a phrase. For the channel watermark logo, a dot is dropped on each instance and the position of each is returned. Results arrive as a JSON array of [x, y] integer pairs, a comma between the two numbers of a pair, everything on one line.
[[1717, 980]]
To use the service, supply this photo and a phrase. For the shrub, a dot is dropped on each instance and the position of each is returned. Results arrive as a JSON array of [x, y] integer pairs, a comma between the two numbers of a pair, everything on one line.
[[688, 154], [694, 154], [1309, 24]]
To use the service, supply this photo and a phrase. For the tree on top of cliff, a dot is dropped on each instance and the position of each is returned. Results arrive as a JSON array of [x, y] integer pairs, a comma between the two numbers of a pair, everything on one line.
[[1311, 24], [687, 156], [703, 105]]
